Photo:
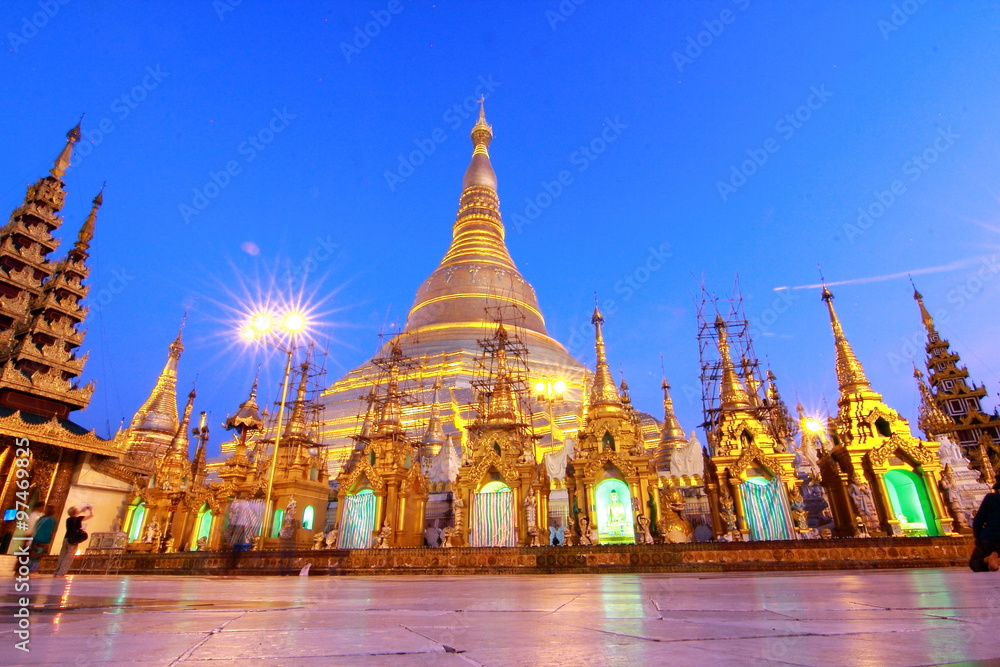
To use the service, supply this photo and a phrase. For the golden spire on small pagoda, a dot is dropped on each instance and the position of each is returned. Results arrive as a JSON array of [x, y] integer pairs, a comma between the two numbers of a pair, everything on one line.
[[751, 381], [63, 160], [297, 420], [604, 394], [391, 411], [173, 471], [732, 395], [434, 435], [850, 374], [502, 406], [671, 431], [86, 233], [925, 315], [159, 411]]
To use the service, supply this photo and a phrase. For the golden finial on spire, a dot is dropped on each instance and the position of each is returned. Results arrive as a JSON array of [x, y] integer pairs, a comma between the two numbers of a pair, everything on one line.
[[850, 373], [671, 431], [604, 392], [86, 233], [63, 160], [177, 347], [480, 171], [925, 315], [732, 395]]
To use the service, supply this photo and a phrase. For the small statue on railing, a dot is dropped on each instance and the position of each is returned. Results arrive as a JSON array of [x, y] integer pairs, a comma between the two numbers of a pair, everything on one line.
[[331, 538], [318, 540], [585, 539], [382, 539]]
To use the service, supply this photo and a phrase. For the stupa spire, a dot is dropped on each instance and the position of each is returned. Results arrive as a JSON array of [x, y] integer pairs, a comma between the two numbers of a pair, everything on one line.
[[477, 273], [66, 154], [732, 395], [604, 394], [434, 435], [86, 234], [180, 444], [671, 431], [850, 374], [297, 420], [925, 315], [159, 410]]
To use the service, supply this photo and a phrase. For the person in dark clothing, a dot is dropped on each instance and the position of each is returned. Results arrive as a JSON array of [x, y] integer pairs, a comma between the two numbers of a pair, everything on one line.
[[74, 524], [986, 531]]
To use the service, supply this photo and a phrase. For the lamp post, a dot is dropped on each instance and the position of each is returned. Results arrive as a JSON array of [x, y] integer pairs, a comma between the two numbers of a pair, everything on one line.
[[261, 327], [550, 391]]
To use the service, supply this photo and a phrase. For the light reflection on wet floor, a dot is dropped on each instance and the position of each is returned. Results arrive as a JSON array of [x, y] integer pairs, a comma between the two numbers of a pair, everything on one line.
[[898, 617]]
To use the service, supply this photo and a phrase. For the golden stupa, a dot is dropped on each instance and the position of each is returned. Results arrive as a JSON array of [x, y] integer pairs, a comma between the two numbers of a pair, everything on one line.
[[451, 312]]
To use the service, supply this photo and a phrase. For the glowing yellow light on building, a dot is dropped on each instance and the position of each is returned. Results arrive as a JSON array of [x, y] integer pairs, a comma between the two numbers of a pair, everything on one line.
[[294, 322], [560, 386], [540, 387], [262, 322], [813, 425]]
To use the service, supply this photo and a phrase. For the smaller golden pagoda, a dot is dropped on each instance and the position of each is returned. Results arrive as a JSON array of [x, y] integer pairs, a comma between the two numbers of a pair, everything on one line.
[[382, 495], [880, 478], [612, 481], [164, 514], [300, 486], [501, 491], [752, 472]]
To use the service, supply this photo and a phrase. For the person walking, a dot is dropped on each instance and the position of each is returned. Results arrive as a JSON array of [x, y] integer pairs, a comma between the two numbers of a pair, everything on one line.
[[74, 536], [986, 531], [44, 530]]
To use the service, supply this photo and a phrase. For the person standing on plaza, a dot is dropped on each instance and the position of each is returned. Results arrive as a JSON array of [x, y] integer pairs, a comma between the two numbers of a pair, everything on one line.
[[986, 531], [44, 530], [74, 536]]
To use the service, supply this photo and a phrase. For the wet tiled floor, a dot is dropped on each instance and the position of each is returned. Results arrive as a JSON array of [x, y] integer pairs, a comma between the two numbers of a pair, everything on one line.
[[897, 617]]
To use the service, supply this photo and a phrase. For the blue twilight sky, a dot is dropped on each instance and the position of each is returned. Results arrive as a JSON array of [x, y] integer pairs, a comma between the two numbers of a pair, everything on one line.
[[653, 109]]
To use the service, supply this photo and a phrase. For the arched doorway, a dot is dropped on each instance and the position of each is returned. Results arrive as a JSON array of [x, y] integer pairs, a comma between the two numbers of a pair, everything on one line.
[[136, 517], [766, 509], [910, 504], [203, 526], [493, 516], [358, 520], [614, 513]]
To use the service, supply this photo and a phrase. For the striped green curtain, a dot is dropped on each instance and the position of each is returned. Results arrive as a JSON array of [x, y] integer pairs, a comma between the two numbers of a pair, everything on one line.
[[358, 523], [493, 520], [766, 509]]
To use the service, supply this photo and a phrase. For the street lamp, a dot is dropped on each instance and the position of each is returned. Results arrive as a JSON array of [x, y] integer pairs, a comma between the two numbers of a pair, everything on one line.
[[550, 391], [261, 327]]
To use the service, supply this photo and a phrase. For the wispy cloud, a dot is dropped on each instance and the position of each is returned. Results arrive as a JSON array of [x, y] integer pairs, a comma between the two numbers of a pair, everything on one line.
[[943, 268]]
